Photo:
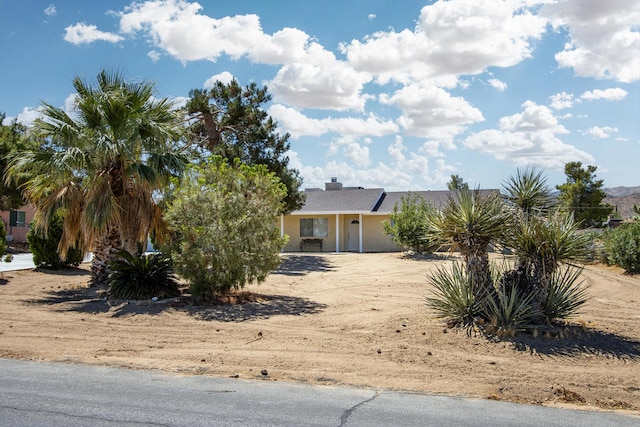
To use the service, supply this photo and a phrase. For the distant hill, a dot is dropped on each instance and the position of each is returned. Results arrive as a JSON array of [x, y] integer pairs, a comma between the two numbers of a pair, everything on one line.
[[623, 198], [621, 191]]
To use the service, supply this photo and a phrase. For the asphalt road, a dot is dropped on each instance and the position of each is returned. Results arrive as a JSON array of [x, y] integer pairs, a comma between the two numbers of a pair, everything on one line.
[[54, 394]]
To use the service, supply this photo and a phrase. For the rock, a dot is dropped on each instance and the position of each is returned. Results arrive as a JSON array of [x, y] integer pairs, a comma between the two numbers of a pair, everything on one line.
[[264, 372]]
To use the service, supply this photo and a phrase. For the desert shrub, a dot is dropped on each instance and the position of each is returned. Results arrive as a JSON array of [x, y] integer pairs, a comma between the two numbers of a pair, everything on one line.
[[223, 217], [622, 246], [566, 295], [142, 277], [3, 238], [453, 297], [507, 306], [44, 246], [407, 225]]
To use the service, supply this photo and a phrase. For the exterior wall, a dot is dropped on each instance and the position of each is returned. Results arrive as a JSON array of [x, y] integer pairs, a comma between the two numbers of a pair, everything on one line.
[[292, 228], [374, 238], [18, 234]]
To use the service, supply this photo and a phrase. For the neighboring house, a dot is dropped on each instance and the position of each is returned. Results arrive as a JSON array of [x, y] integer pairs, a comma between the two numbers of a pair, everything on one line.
[[16, 222], [346, 219]]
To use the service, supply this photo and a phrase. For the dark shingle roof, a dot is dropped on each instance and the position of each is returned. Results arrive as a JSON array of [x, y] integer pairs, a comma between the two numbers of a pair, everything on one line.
[[341, 201], [373, 201], [436, 198]]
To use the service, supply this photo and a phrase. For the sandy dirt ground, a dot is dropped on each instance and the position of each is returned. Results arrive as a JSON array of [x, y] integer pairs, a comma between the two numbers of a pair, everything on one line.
[[335, 319]]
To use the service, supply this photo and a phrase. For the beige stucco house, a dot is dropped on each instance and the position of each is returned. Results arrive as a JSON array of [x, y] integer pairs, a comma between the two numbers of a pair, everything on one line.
[[346, 219]]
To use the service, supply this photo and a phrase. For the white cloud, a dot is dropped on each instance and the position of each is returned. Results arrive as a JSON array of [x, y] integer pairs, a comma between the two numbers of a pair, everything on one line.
[[431, 112], [562, 100], [297, 124], [528, 139], [348, 148], [371, 16], [81, 33], [534, 118], [596, 132], [27, 116], [611, 94], [605, 40], [451, 38], [50, 10], [154, 55], [224, 77], [500, 85], [321, 82]]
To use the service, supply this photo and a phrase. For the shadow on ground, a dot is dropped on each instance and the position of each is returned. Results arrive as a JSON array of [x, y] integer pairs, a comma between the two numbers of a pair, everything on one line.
[[264, 307], [67, 271], [575, 340], [300, 265], [252, 307]]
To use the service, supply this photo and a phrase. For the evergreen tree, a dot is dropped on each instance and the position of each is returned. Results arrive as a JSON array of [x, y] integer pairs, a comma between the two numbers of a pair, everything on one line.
[[13, 139], [229, 121], [582, 195]]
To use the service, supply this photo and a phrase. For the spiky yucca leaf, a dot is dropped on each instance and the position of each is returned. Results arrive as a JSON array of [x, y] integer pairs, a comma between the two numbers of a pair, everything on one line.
[[453, 297], [509, 310], [566, 294]]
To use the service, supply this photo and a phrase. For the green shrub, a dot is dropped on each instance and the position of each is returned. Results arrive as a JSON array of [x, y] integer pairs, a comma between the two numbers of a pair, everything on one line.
[[3, 239], [222, 218], [565, 294], [622, 246], [45, 247], [142, 277]]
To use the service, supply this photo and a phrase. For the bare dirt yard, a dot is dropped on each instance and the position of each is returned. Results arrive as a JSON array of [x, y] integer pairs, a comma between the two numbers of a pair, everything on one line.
[[335, 319]]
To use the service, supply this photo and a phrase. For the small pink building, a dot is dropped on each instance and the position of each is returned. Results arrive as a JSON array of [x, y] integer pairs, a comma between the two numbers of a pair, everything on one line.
[[17, 222]]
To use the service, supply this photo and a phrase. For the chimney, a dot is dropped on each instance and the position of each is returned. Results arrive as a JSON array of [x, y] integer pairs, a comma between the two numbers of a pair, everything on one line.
[[333, 185]]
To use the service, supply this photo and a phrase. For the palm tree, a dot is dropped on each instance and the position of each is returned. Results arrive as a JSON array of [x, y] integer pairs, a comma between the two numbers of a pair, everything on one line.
[[101, 165], [471, 220]]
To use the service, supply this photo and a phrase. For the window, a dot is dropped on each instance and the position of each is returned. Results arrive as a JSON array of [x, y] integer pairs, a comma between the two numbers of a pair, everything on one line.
[[314, 227], [17, 219]]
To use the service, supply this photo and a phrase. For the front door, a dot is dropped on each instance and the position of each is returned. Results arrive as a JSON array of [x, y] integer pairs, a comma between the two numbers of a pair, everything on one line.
[[353, 243]]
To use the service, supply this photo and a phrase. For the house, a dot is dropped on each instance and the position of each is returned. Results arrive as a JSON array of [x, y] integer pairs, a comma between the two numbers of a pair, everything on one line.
[[16, 223], [346, 219]]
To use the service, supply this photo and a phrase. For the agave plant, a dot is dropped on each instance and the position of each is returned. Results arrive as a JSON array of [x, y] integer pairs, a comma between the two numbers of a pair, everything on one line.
[[142, 277]]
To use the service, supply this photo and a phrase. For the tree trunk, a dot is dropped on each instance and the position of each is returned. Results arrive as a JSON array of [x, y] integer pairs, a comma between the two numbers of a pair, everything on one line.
[[104, 252], [476, 258]]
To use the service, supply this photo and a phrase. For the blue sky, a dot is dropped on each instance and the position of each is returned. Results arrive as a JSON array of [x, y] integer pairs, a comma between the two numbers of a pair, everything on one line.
[[379, 93]]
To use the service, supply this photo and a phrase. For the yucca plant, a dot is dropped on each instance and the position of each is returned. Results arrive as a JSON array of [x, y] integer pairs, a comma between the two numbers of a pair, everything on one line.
[[528, 192], [454, 298], [565, 294], [470, 221], [142, 277], [509, 310]]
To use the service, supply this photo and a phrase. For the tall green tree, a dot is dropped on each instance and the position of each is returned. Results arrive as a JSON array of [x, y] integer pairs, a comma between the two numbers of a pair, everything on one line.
[[13, 138], [230, 121], [457, 183], [407, 222], [100, 166], [582, 195], [222, 218]]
